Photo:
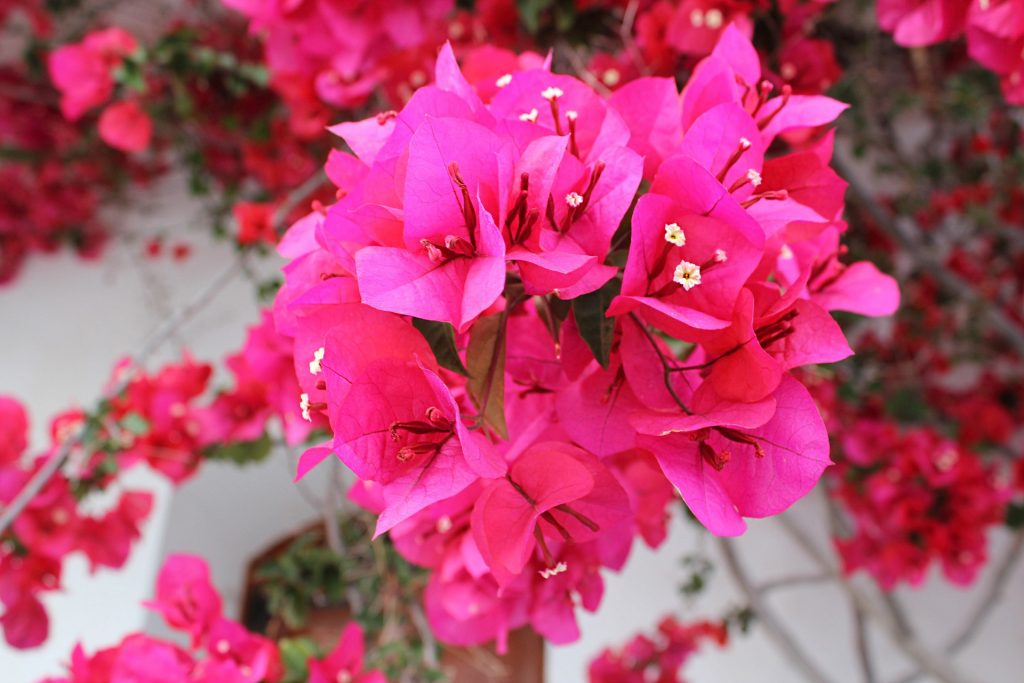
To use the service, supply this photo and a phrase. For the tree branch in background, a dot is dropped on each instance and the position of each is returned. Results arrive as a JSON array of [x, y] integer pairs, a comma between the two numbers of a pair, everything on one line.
[[773, 627], [928, 661]]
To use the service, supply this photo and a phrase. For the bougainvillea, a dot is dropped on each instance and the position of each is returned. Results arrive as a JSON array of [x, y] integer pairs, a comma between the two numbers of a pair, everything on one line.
[[659, 658], [525, 369], [220, 650], [532, 311]]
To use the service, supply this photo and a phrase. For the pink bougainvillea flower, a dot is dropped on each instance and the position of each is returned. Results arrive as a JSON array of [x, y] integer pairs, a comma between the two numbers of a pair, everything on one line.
[[255, 222], [922, 22], [552, 491], [126, 126], [395, 422], [693, 248], [726, 472], [256, 657], [697, 24], [141, 658], [345, 661], [82, 71], [452, 265], [107, 540], [25, 622], [650, 493], [13, 430], [185, 597]]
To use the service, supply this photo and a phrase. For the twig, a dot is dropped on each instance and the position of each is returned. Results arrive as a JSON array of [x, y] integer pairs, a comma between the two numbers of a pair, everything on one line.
[[996, 589], [773, 627], [927, 661], [867, 666], [909, 235], [419, 620], [992, 597], [792, 582]]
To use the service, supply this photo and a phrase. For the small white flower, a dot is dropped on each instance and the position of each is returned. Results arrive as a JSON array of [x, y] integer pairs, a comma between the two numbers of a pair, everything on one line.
[[316, 365], [611, 77], [223, 646], [572, 115], [554, 571], [530, 116], [503, 81], [687, 274], [551, 93], [574, 199], [713, 18], [754, 177], [744, 143], [785, 252], [721, 256], [444, 524], [304, 406], [674, 234], [697, 18]]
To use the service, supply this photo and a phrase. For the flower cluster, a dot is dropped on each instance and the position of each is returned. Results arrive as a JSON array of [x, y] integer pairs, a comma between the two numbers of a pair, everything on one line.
[[516, 403], [322, 52], [658, 659], [220, 650], [162, 420], [994, 30], [83, 73], [49, 529], [915, 498]]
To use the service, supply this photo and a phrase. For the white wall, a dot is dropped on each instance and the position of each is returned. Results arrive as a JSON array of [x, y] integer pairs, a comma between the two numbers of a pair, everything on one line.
[[64, 323]]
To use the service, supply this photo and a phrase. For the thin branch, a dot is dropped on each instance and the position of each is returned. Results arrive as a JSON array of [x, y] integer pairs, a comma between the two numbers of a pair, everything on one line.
[[995, 592], [867, 665], [419, 620], [926, 660], [909, 235], [992, 597], [795, 581], [766, 617]]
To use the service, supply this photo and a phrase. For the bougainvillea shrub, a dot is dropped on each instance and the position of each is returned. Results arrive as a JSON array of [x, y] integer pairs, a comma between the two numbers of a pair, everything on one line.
[[554, 272]]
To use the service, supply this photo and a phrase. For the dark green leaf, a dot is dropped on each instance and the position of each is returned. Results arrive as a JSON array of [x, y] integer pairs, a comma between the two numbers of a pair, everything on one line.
[[441, 337], [595, 328], [242, 453], [530, 11], [486, 360], [1015, 515]]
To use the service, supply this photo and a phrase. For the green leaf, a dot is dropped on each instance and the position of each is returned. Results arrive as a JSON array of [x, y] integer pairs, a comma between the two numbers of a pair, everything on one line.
[[242, 453], [1015, 515], [441, 337], [135, 423], [596, 328], [486, 360], [295, 653], [530, 11]]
